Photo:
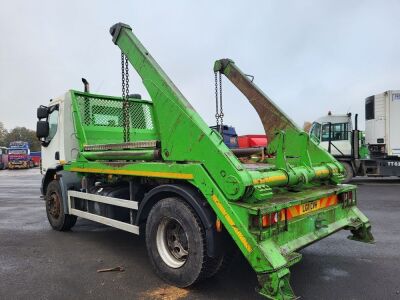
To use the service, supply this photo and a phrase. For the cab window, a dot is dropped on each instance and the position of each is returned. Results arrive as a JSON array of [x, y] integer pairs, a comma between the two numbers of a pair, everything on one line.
[[339, 132], [316, 131], [53, 124]]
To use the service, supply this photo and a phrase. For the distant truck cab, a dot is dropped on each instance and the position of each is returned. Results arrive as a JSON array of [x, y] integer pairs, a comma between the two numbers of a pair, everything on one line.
[[334, 128], [19, 155], [36, 158]]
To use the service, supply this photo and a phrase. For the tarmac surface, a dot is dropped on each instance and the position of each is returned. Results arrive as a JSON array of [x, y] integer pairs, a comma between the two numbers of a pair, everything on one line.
[[37, 262]]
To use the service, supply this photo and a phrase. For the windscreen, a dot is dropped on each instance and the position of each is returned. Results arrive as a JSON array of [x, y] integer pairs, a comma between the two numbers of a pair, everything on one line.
[[18, 151], [316, 130]]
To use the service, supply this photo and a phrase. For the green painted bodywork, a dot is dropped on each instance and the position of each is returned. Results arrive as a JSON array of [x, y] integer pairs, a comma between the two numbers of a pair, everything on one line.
[[299, 171], [363, 150]]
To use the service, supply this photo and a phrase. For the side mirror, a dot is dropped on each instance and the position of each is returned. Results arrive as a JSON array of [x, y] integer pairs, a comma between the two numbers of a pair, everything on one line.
[[42, 129], [42, 112]]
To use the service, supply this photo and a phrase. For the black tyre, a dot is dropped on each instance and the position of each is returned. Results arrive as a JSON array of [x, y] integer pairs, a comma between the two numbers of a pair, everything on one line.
[[55, 209], [348, 172], [176, 243], [221, 263]]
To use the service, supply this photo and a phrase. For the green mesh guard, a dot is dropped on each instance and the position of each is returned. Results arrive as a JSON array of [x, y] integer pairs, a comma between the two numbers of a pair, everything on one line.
[[101, 119], [108, 112]]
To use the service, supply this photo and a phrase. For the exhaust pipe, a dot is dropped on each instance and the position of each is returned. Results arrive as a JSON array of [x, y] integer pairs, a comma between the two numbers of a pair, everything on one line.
[[356, 122], [86, 85]]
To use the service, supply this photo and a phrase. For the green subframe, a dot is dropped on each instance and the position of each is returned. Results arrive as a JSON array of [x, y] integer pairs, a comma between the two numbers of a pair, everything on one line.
[[271, 252]]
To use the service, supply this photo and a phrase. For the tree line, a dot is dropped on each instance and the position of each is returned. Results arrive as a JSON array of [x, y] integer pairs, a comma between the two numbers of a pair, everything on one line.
[[18, 134]]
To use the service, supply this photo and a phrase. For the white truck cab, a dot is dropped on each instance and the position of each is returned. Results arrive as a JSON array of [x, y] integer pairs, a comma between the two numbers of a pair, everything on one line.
[[340, 128], [60, 145]]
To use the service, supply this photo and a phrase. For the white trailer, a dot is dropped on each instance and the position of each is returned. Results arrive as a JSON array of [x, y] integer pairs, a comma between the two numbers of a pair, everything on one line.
[[382, 123]]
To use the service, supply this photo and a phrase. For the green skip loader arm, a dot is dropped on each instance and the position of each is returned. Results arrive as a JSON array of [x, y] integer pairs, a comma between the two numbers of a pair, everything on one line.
[[270, 212], [293, 151]]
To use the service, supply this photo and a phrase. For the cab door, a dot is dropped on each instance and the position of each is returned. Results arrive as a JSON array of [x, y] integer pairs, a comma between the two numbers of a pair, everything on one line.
[[51, 144]]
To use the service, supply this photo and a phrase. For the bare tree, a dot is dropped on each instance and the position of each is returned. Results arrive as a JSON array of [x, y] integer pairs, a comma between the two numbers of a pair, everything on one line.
[[3, 135], [307, 126], [23, 134]]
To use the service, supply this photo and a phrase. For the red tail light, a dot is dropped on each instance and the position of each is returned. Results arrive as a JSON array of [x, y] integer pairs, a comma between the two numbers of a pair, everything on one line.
[[268, 220], [347, 198]]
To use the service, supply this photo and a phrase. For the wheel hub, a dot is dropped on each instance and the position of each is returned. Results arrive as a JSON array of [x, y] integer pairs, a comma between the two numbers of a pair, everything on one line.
[[172, 243], [54, 205]]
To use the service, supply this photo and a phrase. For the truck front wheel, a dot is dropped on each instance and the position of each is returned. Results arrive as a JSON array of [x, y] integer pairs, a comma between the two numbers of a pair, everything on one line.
[[55, 208], [348, 172], [176, 243]]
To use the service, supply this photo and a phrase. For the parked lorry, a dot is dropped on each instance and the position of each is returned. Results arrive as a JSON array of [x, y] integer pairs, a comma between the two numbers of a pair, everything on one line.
[[36, 157], [3, 158], [375, 152], [252, 141], [244, 147], [154, 167], [19, 155]]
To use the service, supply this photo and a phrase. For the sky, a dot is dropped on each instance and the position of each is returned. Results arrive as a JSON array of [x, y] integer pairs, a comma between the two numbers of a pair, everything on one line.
[[310, 57]]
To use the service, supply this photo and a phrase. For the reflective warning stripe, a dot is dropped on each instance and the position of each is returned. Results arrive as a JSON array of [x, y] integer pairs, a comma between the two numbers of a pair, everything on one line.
[[134, 173], [228, 218]]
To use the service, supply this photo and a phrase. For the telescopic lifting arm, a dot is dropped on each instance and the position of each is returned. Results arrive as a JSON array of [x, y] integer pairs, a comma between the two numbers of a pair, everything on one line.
[[185, 137], [183, 133], [290, 146], [272, 118]]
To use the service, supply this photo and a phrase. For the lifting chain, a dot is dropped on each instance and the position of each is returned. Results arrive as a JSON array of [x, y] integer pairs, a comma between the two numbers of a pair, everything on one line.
[[125, 96], [219, 113]]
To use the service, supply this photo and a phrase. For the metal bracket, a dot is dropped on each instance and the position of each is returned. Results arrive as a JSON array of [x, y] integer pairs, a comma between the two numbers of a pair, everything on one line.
[[116, 29], [362, 234], [276, 285]]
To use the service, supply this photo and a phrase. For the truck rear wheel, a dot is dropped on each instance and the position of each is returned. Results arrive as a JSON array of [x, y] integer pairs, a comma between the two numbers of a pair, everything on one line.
[[176, 244], [348, 172], [55, 208]]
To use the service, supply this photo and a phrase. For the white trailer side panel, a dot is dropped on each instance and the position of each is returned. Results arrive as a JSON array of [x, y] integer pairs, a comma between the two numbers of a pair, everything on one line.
[[382, 124], [393, 122]]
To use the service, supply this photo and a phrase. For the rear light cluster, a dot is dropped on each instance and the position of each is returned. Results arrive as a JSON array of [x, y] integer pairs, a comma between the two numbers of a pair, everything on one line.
[[347, 199], [268, 220]]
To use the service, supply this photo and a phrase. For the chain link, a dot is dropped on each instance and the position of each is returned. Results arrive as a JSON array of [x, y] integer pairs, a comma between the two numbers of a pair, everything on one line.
[[123, 93], [216, 100], [219, 113], [125, 96], [126, 102], [123, 74]]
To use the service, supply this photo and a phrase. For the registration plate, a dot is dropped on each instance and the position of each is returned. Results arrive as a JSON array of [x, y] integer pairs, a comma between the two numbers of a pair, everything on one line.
[[309, 207], [305, 208]]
